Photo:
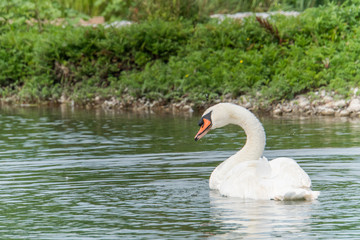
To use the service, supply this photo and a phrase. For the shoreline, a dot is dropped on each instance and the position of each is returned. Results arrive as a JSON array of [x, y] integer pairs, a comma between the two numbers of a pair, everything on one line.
[[319, 103]]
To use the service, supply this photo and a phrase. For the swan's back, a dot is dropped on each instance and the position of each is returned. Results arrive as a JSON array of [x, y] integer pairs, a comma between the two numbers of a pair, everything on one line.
[[279, 179], [291, 182]]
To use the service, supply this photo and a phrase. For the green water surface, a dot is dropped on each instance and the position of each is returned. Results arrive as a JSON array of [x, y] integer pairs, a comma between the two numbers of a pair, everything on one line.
[[90, 174]]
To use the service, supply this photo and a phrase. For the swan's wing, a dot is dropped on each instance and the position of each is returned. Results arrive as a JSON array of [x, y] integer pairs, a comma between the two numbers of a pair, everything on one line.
[[279, 179], [285, 171], [290, 181]]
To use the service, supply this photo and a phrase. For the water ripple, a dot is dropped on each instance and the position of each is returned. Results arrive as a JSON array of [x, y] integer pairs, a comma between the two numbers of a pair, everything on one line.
[[92, 176]]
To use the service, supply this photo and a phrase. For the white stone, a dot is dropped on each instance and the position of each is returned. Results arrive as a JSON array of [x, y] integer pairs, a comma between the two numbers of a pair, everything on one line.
[[287, 109], [327, 99], [242, 15], [327, 111], [188, 108], [340, 103], [247, 105], [344, 113], [97, 99], [277, 111], [303, 102], [354, 105], [118, 24]]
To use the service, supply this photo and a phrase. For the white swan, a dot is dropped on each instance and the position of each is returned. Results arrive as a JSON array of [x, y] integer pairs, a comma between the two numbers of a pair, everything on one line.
[[247, 174]]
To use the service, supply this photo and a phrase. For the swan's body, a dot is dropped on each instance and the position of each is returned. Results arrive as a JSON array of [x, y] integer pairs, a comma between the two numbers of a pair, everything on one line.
[[247, 174]]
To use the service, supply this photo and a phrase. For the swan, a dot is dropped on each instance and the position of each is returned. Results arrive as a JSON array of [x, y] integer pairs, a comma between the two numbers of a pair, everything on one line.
[[247, 174]]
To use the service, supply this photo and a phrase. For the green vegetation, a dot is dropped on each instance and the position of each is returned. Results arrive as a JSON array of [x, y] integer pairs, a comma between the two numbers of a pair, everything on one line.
[[139, 10], [272, 59], [136, 10]]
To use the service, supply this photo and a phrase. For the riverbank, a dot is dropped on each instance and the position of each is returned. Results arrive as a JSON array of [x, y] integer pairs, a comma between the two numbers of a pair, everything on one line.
[[319, 103], [300, 64]]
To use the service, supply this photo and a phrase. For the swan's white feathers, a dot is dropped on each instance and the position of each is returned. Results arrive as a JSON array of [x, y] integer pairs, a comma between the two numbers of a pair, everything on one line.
[[286, 170], [251, 184], [247, 174], [280, 179]]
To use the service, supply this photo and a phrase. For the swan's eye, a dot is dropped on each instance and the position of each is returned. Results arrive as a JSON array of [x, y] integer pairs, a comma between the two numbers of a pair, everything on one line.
[[206, 116], [201, 122]]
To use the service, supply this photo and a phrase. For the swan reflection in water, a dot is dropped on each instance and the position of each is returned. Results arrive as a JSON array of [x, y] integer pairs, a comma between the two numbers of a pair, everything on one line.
[[260, 219]]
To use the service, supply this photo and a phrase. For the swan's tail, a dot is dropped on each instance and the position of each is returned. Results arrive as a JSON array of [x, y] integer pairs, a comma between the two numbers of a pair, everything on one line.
[[302, 194]]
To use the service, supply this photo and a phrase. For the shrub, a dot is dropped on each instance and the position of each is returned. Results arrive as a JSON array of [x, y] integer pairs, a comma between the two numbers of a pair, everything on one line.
[[278, 57]]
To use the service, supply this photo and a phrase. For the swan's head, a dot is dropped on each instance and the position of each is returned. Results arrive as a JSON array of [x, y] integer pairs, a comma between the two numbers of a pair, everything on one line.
[[214, 117]]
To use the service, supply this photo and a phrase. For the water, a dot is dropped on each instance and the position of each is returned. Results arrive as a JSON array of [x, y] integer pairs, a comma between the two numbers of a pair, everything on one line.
[[76, 174]]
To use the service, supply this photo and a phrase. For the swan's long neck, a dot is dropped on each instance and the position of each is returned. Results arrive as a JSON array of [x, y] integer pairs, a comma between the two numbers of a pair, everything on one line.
[[255, 135], [253, 148]]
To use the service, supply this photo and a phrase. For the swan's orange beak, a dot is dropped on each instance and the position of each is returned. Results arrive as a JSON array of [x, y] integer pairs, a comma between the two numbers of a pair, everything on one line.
[[204, 129]]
